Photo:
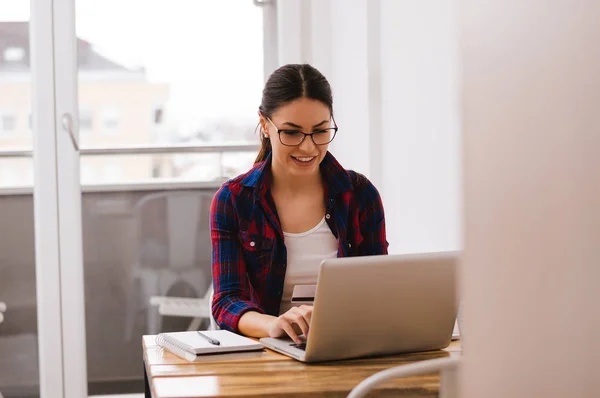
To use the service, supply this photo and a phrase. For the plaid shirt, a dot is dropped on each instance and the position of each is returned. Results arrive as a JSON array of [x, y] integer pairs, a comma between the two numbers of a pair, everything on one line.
[[248, 249]]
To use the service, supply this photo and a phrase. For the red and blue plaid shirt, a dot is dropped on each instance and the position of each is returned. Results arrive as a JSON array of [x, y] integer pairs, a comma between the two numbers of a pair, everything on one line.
[[248, 249]]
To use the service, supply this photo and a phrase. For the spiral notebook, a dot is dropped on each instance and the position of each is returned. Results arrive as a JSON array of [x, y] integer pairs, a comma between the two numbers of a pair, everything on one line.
[[197, 342]]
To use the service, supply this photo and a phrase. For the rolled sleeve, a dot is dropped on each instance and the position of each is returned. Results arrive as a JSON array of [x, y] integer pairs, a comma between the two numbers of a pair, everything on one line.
[[232, 291]]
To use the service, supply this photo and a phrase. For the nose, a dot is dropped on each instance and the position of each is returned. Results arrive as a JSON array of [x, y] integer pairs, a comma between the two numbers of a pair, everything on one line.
[[308, 145]]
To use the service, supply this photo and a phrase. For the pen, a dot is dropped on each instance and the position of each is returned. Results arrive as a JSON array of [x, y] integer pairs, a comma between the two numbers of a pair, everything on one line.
[[210, 339]]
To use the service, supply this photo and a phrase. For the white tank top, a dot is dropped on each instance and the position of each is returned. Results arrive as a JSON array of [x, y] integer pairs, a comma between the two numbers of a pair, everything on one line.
[[305, 251]]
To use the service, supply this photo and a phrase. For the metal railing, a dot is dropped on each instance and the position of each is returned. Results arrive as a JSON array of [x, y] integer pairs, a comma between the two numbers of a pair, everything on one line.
[[151, 184], [141, 150]]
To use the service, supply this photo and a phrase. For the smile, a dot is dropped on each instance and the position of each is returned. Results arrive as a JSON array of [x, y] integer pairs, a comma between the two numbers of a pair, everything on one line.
[[304, 159]]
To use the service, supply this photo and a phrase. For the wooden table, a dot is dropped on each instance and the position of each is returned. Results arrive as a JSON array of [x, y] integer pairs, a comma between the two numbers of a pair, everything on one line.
[[269, 374]]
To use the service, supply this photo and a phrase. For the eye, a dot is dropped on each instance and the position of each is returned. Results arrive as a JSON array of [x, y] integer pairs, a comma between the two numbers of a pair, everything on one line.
[[322, 131], [291, 133]]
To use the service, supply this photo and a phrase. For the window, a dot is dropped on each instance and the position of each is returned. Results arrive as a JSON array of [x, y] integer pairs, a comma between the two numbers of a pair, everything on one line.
[[8, 177], [88, 173], [85, 120], [8, 122], [158, 116], [156, 170], [110, 120], [14, 54], [112, 172]]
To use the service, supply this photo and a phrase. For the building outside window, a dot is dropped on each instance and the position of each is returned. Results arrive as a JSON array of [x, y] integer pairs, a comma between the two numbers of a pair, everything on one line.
[[110, 119], [85, 120], [8, 123]]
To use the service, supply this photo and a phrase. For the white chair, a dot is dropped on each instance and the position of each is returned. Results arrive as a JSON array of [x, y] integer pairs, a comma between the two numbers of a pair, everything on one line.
[[449, 368], [172, 248], [213, 323], [2, 310], [197, 309]]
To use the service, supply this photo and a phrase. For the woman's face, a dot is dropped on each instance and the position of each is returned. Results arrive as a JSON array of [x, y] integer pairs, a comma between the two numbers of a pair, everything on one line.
[[302, 115]]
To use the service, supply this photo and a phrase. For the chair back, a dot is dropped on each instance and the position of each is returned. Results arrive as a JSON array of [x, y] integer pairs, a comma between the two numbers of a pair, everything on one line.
[[170, 230], [213, 323]]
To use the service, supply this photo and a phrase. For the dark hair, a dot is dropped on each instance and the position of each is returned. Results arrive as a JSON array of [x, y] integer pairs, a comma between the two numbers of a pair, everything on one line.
[[287, 84]]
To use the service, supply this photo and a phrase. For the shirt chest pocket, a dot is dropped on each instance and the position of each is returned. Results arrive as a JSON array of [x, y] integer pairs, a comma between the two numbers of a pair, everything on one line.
[[258, 252]]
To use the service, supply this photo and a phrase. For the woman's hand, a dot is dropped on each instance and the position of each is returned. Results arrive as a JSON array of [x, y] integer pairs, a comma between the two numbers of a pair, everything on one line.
[[294, 322]]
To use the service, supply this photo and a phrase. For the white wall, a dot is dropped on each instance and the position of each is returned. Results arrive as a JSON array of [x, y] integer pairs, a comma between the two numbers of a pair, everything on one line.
[[420, 124], [532, 198], [394, 72], [291, 32], [349, 82]]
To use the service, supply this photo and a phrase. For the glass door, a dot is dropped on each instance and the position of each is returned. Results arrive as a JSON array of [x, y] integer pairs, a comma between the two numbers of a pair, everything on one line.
[[156, 112], [167, 94]]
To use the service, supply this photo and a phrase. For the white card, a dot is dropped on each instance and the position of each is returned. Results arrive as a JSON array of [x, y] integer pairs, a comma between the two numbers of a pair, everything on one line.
[[304, 294]]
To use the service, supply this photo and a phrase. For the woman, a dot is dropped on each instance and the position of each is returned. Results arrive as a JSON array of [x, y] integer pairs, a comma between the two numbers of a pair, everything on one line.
[[272, 226]]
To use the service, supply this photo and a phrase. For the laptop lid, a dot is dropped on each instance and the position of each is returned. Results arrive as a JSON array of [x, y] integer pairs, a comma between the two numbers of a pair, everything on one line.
[[388, 304]]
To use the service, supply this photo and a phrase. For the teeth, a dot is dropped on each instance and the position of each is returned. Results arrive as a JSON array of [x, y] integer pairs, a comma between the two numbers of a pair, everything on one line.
[[305, 159]]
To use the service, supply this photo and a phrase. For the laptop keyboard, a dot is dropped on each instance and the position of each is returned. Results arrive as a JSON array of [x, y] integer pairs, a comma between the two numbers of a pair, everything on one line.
[[301, 346]]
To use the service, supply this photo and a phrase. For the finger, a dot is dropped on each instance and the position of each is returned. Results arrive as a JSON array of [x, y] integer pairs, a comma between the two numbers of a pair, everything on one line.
[[299, 320], [276, 331], [306, 313], [287, 327]]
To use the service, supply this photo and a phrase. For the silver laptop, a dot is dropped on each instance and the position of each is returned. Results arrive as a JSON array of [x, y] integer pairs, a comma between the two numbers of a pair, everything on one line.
[[378, 305]]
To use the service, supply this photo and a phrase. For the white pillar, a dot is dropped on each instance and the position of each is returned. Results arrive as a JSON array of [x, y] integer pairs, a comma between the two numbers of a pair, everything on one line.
[[349, 79], [291, 32], [420, 125], [321, 35], [531, 99], [270, 38]]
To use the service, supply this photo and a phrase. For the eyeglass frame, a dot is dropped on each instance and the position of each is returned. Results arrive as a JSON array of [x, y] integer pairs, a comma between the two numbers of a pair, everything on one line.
[[335, 130]]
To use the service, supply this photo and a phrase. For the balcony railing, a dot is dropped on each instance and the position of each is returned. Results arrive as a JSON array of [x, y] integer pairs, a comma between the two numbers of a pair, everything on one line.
[[184, 152], [141, 150]]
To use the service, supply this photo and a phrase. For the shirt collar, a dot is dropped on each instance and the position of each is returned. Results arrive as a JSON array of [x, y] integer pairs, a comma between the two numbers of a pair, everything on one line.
[[336, 178]]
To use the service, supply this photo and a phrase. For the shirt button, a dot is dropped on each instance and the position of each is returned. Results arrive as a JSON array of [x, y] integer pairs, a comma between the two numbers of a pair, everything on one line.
[[252, 244], [350, 245], [327, 216]]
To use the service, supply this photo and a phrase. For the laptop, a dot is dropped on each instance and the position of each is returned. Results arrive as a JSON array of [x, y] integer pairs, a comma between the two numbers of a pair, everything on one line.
[[378, 305]]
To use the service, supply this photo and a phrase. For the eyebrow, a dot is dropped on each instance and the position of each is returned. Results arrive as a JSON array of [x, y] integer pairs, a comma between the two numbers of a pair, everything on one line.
[[299, 127]]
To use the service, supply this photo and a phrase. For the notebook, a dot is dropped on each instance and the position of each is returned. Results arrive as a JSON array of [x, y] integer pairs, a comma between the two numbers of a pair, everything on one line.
[[192, 342], [219, 357]]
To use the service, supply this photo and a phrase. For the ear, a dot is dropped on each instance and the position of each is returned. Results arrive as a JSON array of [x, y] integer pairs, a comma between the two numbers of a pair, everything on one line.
[[264, 125]]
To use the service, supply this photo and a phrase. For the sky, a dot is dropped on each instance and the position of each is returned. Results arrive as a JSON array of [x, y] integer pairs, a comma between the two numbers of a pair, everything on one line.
[[209, 51]]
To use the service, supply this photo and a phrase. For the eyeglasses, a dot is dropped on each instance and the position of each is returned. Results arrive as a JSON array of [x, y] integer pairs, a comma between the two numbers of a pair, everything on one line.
[[292, 137]]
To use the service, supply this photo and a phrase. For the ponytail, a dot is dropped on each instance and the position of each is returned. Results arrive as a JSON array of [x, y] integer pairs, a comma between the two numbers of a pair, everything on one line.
[[265, 149]]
